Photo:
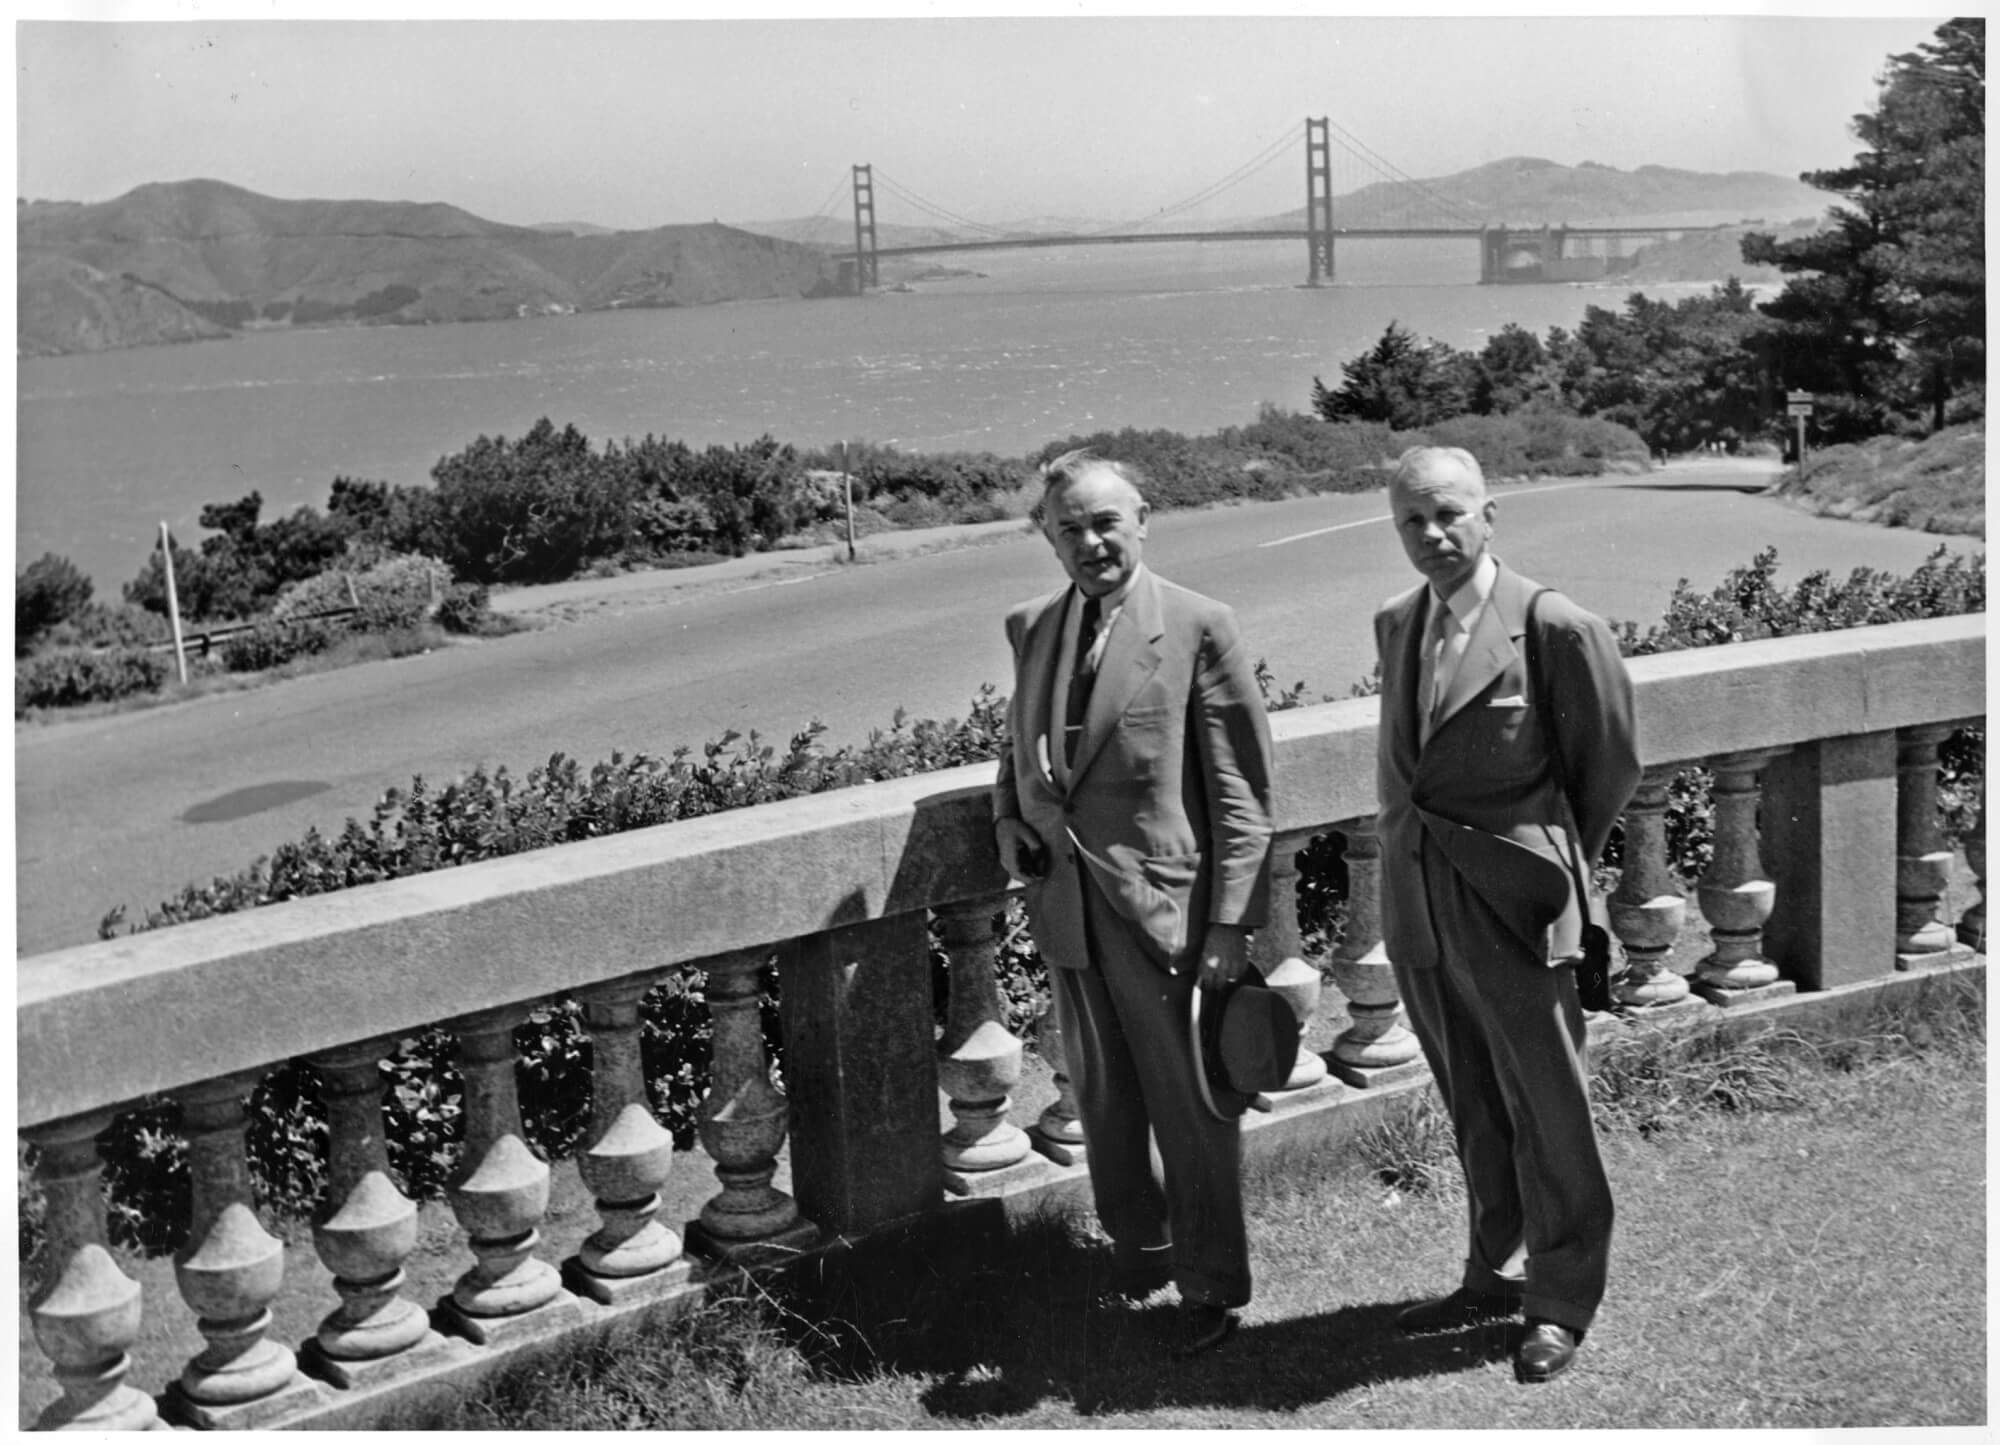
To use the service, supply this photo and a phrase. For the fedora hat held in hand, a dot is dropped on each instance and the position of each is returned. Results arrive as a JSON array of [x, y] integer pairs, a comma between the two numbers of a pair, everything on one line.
[[1244, 1042]]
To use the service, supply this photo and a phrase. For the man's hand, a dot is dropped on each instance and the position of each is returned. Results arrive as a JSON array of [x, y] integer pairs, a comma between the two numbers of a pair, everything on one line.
[[1225, 956], [1021, 851]]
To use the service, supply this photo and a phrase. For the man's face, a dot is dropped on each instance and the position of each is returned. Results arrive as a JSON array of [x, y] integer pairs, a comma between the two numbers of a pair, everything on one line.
[[1097, 524], [1445, 519]]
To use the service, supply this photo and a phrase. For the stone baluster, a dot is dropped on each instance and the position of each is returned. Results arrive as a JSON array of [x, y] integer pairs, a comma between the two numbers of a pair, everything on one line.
[[1277, 953], [1059, 1131], [1735, 894], [363, 1231], [1377, 1045], [499, 1193], [1972, 927], [743, 1125], [85, 1314], [1923, 858], [625, 1159], [979, 1059], [1648, 906], [229, 1271]]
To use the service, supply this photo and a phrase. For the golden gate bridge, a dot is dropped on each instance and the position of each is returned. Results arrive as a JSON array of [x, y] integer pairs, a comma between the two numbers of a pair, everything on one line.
[[1389, 205]]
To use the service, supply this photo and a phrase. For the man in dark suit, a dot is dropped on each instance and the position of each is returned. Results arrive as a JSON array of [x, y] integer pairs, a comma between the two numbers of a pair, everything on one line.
[[1479, 844], [1134, 800]]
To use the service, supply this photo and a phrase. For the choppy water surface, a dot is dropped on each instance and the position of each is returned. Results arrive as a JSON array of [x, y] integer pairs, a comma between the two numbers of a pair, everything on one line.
[[1045, 344]]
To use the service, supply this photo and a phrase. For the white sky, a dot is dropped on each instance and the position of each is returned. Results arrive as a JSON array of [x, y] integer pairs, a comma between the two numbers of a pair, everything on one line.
[[632, 123]]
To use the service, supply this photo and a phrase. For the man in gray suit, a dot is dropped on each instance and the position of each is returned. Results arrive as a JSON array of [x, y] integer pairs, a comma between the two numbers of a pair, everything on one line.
[[1479, 844], [1134, 800]]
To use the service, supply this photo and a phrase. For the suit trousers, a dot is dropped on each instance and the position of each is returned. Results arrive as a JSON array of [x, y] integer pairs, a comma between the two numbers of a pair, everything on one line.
[[1504, 1035], [1127, 1046]]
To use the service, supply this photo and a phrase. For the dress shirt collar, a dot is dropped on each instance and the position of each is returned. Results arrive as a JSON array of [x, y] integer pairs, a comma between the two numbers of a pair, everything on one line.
[[1466, 602], [1110, 602]]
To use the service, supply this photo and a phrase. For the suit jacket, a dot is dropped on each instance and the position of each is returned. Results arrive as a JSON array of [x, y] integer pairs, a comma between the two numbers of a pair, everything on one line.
[[1169, 801], [1483, 787]]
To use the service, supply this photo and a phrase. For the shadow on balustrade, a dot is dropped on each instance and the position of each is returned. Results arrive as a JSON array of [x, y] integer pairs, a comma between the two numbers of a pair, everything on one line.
[[1005, 1318]]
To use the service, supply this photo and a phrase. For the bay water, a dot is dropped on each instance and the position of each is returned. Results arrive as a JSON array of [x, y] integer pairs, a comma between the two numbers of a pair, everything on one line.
[[1042, 345]]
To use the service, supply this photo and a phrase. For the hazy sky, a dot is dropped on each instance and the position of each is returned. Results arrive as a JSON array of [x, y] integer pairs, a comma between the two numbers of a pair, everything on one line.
[[639, 123]]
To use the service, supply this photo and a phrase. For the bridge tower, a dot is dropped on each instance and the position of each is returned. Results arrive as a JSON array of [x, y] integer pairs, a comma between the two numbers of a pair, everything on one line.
[[865, 272], [1319, 203]]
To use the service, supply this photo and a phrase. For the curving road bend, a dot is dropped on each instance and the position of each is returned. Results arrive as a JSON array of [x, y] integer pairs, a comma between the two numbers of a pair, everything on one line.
[[125, 809]]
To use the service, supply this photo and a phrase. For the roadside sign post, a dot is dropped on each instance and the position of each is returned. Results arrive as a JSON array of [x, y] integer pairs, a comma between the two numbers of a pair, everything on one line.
[[173, 604], [1799, 405]]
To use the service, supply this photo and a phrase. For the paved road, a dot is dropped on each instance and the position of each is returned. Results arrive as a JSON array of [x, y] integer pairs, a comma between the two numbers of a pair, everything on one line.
[[125, 809]]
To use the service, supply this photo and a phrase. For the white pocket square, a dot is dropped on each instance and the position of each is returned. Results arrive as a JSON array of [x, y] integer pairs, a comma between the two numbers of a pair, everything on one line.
[[1515, 701]]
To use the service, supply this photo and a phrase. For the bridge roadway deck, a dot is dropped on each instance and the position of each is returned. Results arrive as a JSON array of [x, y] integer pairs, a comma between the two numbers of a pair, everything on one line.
[[105, 806], [1340, 233]]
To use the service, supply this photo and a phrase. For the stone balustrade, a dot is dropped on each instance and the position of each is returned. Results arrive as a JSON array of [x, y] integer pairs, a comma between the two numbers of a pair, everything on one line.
[[1828, 871]]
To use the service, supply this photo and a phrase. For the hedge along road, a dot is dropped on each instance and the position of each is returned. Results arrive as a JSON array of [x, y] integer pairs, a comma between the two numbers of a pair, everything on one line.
[[125, 809]]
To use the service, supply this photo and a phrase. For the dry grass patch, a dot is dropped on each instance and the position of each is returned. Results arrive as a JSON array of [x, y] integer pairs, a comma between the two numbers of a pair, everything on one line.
[[1936, 484]]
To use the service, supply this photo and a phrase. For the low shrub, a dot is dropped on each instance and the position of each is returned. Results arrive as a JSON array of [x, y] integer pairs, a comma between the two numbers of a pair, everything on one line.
[[1540, 443], [106, 624], [272, 644], [393, 592], [466, 607], [69, 676], [1339, 456]]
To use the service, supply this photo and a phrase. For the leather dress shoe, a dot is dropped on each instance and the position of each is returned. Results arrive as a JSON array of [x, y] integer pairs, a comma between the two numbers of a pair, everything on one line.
[[1456, 1311], [1545, 1351], [1203, 1327]]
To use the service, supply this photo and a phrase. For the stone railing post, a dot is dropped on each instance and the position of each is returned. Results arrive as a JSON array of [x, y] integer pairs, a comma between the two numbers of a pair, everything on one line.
[[1923, 858], [1648, 906], [1972, 927], [229, 1271], [1377, 1045], [625, 1159], [1059, 1132], [363, 1231], [85, 1314], [1279, 954], [499, 1193], [1735, 894], [743, 1125], [861, 1069], [979, 1058], [1827, 823]]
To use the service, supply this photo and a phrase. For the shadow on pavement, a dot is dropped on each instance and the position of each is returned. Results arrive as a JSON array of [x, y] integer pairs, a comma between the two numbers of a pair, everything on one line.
[[1748, 489]]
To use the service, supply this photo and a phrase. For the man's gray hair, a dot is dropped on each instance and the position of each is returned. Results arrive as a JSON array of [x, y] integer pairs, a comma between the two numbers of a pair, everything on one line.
[[1074, 464], [1408, 463]]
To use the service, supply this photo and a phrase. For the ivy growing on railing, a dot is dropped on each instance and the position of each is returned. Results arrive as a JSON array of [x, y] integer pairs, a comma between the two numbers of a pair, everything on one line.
[[494, 814]]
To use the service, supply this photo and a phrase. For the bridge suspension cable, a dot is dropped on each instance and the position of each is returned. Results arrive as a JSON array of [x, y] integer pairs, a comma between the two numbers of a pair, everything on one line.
[[1249, 168], [909, 197], [1389, 171], [806, 228]]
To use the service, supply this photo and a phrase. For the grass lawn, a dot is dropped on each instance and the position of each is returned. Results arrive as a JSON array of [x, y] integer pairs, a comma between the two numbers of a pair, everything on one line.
[[1801, 1243]]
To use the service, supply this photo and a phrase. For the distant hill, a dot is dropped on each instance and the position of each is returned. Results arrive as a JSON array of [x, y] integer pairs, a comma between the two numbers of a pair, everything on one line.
[[572, 228], [1712, 255], [191, 259], [1529, 191]]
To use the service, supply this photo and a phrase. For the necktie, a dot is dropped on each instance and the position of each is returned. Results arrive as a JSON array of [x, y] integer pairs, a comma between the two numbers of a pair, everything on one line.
[[1430, 685], [1083, 673]]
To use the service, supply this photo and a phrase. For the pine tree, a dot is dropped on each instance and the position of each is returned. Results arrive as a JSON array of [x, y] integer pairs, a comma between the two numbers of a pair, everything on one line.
[[1886, 307]]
